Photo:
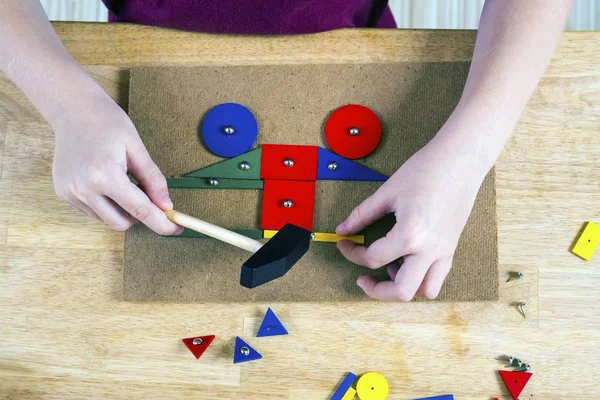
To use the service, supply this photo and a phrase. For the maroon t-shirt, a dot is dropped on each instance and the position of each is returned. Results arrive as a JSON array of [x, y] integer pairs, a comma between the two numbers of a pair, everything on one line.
[[274, 17]]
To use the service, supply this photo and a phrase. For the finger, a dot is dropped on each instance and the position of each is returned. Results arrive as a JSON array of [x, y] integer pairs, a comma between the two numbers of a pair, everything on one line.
[[147, 173], [432, 283], [392, 270], [133, 200], [405, 285], [80, 206], [381, 252], [367, 212], [112, 214]]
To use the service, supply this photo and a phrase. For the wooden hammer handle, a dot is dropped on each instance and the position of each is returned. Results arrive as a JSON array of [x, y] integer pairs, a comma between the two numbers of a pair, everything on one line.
[[214, 231]]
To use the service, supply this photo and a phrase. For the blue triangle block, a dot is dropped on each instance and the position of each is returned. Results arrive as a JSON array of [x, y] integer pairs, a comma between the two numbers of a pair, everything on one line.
[[330, 166], [271, 325], [243, 352]]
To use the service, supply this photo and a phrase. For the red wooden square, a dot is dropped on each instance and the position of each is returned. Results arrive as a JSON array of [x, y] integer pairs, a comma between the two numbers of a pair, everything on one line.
[[301, 162], [274, 213]]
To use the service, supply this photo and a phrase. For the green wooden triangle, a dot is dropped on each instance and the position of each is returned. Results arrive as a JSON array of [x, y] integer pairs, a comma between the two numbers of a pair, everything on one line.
[[231, 168]]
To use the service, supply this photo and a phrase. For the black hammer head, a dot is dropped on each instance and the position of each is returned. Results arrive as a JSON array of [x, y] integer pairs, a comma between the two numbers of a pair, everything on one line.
[[276, 257]]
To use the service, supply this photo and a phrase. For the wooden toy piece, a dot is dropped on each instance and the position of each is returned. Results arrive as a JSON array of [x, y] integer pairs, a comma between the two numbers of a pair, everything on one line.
[[372, 386], [588, 241], [276, 257], [334, 238], [353, 131], [443, 397], [349, 394], [322, 237], [242, 352], [244, 166], [515, 381], [271, 325], [251, 233], [214, 231], [198, 344], [287, 202], [271, 261], [345, 389], [288, 162], [213, 183], [229, 130], [331, 166]]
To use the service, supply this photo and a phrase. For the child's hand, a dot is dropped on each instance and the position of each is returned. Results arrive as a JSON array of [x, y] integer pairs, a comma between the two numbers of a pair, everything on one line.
[[96, 146], [431, 195]]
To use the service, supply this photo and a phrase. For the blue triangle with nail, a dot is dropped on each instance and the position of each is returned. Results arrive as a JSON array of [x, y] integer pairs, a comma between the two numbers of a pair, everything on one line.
[[243, 352], [271, 325], [330, 166]]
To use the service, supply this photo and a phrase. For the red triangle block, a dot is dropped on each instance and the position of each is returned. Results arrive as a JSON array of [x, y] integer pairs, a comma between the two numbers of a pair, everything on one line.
[[200, 345], [515, 381]]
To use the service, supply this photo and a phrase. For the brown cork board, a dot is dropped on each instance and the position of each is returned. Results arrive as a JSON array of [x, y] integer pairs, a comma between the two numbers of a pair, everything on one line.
[[291, 105]]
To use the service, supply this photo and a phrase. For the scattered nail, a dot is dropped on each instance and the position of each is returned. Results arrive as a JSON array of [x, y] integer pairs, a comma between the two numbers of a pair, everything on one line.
[[514, 276]]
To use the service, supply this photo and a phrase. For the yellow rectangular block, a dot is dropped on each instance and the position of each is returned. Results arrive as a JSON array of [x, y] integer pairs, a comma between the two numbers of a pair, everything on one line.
[[588, 241], [323, 237], [349, 394]]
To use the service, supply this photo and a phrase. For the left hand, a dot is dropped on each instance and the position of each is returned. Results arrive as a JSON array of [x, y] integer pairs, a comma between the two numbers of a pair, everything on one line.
[[431, 195]]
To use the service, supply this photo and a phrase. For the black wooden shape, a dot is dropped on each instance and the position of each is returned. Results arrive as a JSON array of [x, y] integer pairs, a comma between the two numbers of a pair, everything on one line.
[[276, 257]]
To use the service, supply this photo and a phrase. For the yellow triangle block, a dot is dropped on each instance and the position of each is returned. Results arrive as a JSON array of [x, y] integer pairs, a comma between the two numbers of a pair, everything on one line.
[[588, 241], [323, 237], [349, 394]]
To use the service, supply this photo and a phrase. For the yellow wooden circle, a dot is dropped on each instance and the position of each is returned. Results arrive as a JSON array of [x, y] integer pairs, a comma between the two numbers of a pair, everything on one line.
[[372, 386]]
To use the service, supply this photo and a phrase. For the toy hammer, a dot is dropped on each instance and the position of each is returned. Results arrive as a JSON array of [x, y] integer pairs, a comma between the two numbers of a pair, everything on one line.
[[269, 261]]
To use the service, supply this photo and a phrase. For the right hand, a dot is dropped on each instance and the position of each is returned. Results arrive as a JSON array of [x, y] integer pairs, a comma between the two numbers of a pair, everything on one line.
[[96, 146]]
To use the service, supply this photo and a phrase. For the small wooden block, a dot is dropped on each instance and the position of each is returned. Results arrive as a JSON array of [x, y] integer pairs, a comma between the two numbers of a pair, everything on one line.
[[232, 168], [243, 135], [334, 167], [275, 215], [587, 242], [443, 397], [515, 381], [202, 344], [271, 325], [345, 387], [334, 238], [372, 386], [204, 183], [323, 237], [349, 394], [251, 233], [304, 159], [242, 352]]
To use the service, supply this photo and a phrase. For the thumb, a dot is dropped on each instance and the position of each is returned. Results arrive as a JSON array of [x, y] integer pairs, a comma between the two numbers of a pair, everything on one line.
[[367, 212], [147, 173]]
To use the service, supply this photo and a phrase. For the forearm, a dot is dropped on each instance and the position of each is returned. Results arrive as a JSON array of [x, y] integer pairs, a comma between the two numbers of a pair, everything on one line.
[[32, 55], [515, 42]]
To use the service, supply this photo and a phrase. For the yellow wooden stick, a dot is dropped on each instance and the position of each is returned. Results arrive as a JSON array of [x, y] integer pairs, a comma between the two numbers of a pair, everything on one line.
[[323, 237]]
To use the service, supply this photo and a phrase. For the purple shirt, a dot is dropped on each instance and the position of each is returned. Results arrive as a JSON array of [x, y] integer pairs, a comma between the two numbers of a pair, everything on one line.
[[274, 17]]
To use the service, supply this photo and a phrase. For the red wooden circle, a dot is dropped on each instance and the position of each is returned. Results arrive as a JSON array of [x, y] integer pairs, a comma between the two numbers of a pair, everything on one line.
[[339, 124]]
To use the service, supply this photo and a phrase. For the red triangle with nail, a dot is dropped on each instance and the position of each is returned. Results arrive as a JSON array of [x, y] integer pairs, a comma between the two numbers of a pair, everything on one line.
[[198, 344], [515, 381]]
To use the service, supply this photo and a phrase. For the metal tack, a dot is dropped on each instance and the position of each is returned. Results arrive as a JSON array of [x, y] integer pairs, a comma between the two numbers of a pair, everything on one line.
[[229, 130], [244, 166]]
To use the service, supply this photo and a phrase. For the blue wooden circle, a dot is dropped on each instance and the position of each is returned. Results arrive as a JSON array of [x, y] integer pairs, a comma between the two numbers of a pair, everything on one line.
[[219, 139]]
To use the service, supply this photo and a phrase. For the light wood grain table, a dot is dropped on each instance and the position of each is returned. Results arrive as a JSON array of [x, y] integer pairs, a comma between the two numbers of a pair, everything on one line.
[[64, 331]]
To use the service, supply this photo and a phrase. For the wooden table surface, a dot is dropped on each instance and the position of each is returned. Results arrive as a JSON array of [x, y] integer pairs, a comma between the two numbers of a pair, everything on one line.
[[65, 332]]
